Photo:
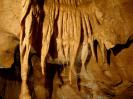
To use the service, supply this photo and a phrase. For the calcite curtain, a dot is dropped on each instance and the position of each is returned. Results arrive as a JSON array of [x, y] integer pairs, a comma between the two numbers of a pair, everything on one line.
[[76, 24]]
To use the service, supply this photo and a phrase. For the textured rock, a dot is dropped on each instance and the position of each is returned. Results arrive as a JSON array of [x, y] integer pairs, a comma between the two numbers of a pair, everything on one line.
[[10, 14], [83, 48], [9, 31], [8, 44]]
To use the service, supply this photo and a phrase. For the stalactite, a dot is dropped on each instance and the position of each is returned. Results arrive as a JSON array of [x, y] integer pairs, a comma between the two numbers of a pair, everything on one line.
[[59, 38], [103, 52], [71, 42], [65, 37], [47, 33], [75, 41], [85, 47], [25, 8], [90, 35], [25, 46]]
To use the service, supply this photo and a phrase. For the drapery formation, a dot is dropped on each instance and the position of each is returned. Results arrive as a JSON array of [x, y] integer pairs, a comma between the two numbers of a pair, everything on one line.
[[72, 22]]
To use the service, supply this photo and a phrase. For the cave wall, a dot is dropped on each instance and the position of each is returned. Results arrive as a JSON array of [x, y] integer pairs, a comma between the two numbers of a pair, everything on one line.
[[104, 71]]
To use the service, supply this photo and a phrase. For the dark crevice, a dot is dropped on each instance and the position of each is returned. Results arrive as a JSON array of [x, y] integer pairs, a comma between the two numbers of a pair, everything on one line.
[[11, 76], [53, 44], [120, 47], [108, 56], [37, 25], [95, 49], [12, 73], [51, 71]]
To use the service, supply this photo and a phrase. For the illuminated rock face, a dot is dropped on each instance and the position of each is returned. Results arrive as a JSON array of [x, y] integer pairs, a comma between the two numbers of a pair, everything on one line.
[[9, 31], [83, 48]]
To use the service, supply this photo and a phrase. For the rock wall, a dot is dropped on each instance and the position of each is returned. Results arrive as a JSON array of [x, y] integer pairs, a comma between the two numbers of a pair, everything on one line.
[[68, 49]]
